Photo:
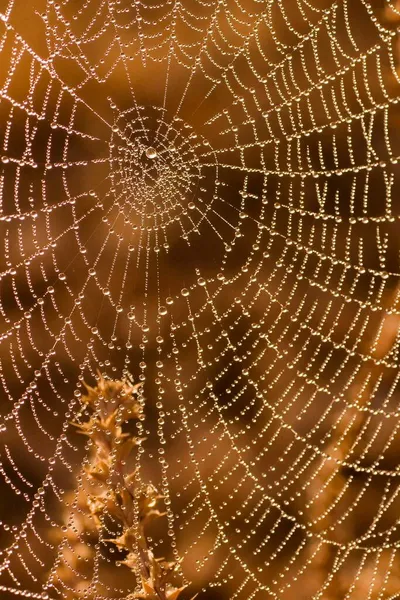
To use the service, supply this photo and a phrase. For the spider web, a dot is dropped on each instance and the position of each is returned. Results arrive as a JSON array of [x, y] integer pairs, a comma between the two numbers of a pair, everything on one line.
[[201, 195]]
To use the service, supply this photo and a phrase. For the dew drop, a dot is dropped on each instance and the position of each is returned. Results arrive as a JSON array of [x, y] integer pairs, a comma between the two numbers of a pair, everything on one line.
[[151, 152]]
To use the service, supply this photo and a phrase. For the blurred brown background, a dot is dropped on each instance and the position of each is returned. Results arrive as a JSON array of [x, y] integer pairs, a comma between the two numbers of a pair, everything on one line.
[[273, 382]]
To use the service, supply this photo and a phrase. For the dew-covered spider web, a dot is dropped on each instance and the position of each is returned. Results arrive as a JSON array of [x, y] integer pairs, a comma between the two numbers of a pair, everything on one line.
[[202, 195]]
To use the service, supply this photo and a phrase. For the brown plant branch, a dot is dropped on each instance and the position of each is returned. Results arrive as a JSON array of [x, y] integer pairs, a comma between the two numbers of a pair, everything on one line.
[[330, 480], [111, 489]]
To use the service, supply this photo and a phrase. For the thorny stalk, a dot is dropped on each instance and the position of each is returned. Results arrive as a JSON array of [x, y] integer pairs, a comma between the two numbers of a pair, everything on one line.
[[111, 490]]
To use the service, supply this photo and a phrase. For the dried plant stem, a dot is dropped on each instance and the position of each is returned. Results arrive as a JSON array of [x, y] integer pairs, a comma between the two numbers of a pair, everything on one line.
[[111, 490]]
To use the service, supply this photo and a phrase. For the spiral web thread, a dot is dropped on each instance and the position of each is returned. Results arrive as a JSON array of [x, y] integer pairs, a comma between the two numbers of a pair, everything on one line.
[[201, 195]]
